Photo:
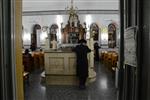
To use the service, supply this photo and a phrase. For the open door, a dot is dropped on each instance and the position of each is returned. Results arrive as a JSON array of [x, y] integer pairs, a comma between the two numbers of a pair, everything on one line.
[[130, 63], [132, 49], [7, 87], [11, 78]]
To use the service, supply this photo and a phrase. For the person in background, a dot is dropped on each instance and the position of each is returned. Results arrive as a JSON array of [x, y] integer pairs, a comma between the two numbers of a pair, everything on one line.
[[96, 52], [27, 61], [81, 51], [32, 47], [27, 53]]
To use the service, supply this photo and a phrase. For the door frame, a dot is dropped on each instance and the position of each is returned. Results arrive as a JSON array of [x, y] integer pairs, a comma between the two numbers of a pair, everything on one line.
[[11, 68], [125, 21], [17, 48], [17, 41], [7, 61]]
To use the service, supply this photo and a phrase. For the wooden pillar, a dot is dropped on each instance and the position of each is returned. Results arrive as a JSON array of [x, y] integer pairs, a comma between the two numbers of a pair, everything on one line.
[[18, 44]]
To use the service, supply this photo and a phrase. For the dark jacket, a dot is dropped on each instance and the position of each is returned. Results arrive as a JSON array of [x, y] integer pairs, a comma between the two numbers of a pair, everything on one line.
[[96, 52], [82, 61]]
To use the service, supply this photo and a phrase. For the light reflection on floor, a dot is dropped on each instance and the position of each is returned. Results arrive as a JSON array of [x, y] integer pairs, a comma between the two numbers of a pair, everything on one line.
[[103, 84], [102, 89]]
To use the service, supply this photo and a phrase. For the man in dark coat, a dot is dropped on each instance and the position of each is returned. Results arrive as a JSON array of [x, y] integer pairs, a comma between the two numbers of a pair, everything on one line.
[[81, 51], [96, 52]]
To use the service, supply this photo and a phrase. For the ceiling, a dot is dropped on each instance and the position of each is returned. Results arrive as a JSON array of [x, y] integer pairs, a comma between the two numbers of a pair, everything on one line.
[[49, 5]]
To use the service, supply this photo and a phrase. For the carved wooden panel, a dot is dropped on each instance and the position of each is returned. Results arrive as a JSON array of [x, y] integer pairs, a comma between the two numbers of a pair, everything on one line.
[[56, 65], [73, 30], [60, 63], [60, 68], [72, 65]]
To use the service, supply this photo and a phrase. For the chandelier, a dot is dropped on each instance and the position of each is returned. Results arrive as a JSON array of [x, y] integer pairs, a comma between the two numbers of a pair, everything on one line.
[[72, 11]]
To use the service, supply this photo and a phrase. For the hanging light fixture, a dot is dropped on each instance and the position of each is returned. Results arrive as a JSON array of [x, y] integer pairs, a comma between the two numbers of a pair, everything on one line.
[[72, 11]]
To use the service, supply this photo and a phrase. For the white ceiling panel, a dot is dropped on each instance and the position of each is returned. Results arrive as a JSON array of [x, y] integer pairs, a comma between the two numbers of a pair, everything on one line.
[[47, 5]]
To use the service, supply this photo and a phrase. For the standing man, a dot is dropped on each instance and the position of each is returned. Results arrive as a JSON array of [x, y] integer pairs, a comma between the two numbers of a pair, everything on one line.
[[96, 51], [81, 51]]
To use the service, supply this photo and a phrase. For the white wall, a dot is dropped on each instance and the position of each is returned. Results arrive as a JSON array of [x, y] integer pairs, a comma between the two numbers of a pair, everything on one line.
[[47, 20], [47, 5], [103, 20]]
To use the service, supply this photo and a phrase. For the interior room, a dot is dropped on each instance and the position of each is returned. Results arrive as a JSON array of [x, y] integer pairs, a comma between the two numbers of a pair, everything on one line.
[[51, 29], [74, 50]]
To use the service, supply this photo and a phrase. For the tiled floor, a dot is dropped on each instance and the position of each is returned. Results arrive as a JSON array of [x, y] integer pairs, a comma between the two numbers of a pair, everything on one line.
[[102, 89]]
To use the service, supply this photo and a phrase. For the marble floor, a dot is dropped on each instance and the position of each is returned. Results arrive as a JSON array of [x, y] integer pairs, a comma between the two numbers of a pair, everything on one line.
[[102, 89]]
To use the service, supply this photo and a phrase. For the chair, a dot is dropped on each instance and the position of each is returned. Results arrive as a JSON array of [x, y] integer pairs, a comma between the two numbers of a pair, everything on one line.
[[114, 60], [27, 62], [108, 60], [36, 60], [41, 60], [105, 57], [102, 56]]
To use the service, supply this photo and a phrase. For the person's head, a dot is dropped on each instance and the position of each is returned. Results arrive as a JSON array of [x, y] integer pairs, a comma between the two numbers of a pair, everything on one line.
[[26, 51], [82, 41], [41, 50], [95, 44]]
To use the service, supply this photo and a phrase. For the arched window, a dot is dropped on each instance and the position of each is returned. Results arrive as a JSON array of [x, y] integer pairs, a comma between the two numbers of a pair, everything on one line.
[[53, 34], [95, 31], [111, 35], [34, 37]]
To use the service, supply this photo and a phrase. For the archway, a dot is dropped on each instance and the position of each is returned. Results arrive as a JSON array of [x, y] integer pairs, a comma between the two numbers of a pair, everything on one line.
[[34, 36], [53, 34], [111, 35], [95, 30]]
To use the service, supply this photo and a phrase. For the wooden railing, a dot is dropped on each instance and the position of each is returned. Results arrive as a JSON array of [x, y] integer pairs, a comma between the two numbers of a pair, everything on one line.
[[109, 58]]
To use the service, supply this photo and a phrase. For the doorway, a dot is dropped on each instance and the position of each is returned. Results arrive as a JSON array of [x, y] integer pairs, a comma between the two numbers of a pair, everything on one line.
[[95, 31], [121, 52]]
